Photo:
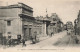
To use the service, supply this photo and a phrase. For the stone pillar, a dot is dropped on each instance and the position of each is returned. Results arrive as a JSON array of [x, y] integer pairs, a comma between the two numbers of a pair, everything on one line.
[[44, 29]]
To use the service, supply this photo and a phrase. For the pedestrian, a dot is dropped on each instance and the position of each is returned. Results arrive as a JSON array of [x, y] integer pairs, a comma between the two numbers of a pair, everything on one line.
[[9, 42], [23, 41], [51, 34], [76, 40]]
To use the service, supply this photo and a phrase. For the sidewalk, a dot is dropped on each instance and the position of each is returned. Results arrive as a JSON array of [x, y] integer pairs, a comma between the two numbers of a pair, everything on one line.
[[40, 39], [28, 43], [44, 42]]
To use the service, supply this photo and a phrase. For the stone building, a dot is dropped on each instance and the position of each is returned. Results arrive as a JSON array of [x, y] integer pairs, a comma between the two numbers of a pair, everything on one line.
[[69, 25], [17, 21], [64, 27], [55, 25], [45, 23], [77, 24]]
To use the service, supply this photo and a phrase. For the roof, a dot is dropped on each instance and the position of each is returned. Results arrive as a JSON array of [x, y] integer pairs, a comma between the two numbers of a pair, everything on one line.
[[42, 18], [10, 6], [19, 5]]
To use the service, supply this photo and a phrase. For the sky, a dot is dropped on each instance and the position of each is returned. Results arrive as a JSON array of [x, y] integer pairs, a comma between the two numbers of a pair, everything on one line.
[[67, 10]]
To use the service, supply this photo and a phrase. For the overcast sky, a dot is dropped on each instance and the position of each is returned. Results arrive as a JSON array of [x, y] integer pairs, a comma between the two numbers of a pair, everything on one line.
[[66, 10]]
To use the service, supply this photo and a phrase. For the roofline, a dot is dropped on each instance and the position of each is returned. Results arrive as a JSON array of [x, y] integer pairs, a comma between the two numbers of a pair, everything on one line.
[[15, 6], [25, 5], [27, 16]]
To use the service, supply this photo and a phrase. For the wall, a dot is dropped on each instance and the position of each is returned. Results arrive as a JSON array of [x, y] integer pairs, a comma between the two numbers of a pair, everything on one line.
[[38, 28], [15, 28], [44, 29], [2, 26], [10, 12], [27, 12], [27, 24]]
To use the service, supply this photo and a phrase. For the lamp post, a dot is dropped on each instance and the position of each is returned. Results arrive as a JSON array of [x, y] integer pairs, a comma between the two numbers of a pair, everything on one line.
[[75, 26]]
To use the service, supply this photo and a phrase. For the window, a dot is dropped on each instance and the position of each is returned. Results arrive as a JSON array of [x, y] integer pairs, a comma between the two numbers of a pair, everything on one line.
[[54, 24], [9, 36], [8, 23], [19, 36], [54, 19], [9, 32]]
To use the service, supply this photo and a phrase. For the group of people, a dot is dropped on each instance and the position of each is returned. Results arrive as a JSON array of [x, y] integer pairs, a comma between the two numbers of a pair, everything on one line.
[[34, 39]]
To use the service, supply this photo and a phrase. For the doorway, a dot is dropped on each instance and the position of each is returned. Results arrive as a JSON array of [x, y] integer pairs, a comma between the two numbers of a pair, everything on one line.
[[29, 32], [25, 33]]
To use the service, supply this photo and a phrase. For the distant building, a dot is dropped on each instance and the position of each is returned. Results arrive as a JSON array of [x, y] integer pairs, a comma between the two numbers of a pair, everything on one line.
[[55, 24], [64, 27], [45, 23], [69, 25], [77, 24]]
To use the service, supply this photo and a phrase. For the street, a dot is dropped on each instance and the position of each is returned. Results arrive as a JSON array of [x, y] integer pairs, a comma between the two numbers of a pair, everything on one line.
[[44, 44], [57, 41], [39, 25]]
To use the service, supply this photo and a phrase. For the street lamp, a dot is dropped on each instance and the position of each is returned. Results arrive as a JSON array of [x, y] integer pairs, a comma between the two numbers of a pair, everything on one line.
[[75, 26]]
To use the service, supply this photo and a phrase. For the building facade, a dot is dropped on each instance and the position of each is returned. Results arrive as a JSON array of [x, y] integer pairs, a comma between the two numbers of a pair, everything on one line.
[[16, 21], [45, 23], [69, 25], [55, 24], [77, 24]]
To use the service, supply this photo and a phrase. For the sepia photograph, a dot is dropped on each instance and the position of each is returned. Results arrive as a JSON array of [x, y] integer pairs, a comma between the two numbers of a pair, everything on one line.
[[39, 25]]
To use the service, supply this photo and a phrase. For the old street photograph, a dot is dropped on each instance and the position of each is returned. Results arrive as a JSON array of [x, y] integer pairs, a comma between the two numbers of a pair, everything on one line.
[[39, 24]]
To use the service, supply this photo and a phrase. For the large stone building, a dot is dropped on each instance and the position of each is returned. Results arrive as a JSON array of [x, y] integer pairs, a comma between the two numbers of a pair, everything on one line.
[[17, 21]]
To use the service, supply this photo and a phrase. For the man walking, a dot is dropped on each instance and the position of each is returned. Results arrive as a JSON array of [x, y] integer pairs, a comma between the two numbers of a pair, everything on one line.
[[23, 41]]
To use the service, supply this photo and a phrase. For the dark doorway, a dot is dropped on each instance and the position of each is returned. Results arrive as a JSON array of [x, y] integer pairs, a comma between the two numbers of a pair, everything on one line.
[[29, 31], [1, 38], [25, 33]]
